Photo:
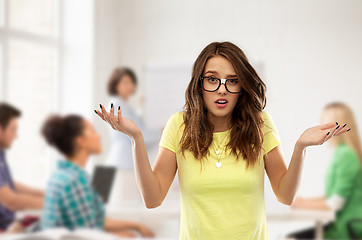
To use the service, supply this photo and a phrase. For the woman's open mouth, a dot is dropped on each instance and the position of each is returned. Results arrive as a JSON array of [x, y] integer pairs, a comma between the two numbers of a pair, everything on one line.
[[221, 102]]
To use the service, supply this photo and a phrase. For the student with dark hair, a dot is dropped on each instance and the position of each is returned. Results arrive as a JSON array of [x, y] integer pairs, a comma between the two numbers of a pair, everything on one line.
[[14, 196], [221, 144], [121, 87], [70, 201]]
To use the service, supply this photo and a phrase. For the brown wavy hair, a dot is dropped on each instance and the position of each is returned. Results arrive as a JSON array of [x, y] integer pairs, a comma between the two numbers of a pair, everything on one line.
[[246, 135]]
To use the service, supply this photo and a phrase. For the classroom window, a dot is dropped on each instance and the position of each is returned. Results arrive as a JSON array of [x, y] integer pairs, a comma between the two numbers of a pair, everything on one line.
[[29, 60]]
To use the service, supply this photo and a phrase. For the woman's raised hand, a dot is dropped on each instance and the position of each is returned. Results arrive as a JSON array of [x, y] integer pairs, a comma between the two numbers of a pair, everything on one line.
[[118, 123], [319, 134]]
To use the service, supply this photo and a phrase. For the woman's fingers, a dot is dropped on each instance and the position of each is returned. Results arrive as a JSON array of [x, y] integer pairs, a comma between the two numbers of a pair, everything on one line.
[[99, 114], [336, 131], [106, 116], [327, 126], [111, 116], [328, 135], [331, 133], [119, 117], [104, 113], [343, 130]]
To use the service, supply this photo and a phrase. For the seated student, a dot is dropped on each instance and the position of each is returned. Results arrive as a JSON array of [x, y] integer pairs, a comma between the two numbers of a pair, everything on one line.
[[13, 195], [70, 201], [343, 180]]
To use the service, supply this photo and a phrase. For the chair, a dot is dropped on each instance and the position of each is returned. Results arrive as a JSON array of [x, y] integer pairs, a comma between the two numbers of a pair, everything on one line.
[[351, 231]]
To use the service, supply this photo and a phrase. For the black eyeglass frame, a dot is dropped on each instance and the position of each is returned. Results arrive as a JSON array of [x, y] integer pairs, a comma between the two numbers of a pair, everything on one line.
[[221, 81]]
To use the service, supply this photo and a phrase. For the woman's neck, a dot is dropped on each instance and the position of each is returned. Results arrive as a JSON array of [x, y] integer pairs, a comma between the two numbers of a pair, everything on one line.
[[125, 99], [221, 124], [80, 158]]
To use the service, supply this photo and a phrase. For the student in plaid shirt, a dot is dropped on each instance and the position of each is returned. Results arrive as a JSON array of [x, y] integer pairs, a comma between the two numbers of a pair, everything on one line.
[[70, 201]]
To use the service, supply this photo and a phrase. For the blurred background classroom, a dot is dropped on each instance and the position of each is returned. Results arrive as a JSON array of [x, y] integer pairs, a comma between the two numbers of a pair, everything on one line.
[[57, 57]]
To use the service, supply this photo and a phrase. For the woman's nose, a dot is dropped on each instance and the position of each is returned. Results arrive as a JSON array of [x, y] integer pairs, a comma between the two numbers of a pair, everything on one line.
[[222, 88]]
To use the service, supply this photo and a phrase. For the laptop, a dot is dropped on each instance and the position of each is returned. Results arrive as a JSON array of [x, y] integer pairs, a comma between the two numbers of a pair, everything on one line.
[[102, 181]]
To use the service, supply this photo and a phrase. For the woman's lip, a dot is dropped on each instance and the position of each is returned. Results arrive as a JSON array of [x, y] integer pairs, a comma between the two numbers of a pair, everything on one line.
[[221, 105], [221, 99]]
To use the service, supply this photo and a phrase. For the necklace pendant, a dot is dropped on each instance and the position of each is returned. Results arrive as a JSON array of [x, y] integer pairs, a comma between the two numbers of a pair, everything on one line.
[[218, 164], [217, 151]]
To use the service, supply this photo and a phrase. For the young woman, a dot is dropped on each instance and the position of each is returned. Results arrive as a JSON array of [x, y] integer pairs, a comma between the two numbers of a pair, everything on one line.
[[70, 201], [122, 85], [220, 144], [343, 182]]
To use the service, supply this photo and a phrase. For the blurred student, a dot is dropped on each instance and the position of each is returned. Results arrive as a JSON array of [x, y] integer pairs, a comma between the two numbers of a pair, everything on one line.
[[70, 200], [343, 181], [121, 87], [14, 196]]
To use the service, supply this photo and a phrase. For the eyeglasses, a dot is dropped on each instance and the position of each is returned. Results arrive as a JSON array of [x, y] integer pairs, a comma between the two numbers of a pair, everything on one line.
[[212, 84]]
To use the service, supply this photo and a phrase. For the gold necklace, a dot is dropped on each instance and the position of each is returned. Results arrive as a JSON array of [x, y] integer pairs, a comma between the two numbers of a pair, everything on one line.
[[217, 151]]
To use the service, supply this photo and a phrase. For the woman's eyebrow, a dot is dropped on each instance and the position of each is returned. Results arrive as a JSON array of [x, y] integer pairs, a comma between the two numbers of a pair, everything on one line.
[[210, 71], [215, 72], [231, 76]]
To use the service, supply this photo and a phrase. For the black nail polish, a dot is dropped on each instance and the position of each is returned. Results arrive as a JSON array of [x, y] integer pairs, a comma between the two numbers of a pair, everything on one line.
[[119, 107], [112, 105], [100, 105], [344, 125], [336, 123], [96, 112], [328, 133], [348, 129], [338, 127]]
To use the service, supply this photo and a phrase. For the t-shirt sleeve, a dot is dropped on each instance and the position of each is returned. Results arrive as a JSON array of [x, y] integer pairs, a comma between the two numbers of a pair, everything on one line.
[[169, 133], [271, 135], [347, 172], [3, 182], [4, 173]]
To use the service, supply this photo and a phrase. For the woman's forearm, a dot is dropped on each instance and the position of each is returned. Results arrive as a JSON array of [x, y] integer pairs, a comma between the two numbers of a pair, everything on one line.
[[290, 181], [147, 181]]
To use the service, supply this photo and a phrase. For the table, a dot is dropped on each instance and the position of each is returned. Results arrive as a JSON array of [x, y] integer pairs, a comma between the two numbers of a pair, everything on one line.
[[319, 216]]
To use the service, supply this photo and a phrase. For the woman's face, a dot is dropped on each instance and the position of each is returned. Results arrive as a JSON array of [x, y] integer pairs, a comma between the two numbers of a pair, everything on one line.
[[126, 87], [89, 140], [220, 67]]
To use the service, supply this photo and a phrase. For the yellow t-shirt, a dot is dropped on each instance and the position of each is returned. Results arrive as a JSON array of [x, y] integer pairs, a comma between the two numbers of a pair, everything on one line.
[[220, 203]]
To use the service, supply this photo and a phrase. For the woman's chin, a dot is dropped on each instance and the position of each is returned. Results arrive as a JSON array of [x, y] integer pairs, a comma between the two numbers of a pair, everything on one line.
[[97, 151], [220, 113]]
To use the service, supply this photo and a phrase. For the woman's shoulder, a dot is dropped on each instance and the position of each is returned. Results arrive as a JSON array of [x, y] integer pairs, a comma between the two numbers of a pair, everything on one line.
[[344, 151], [268, 124], [266, 115], [177, 118], [175, 122]]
